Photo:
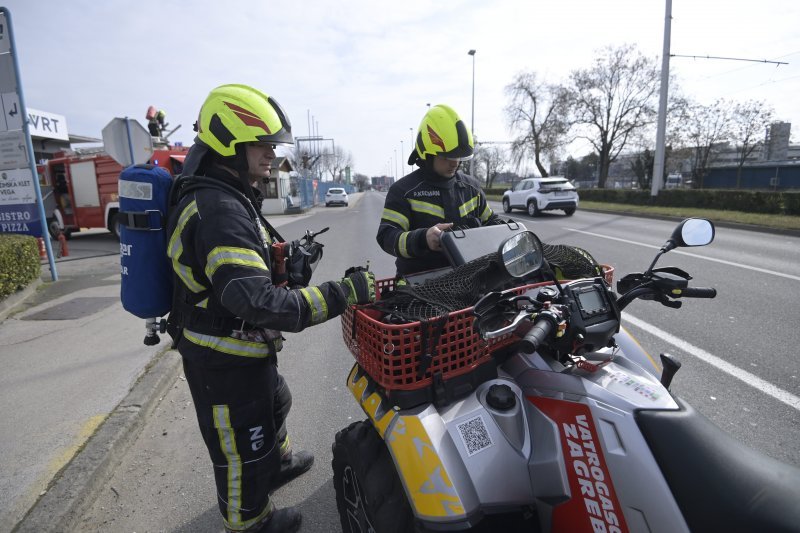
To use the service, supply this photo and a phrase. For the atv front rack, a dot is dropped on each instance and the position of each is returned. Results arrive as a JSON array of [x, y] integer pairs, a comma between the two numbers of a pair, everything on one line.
[[425, 361]]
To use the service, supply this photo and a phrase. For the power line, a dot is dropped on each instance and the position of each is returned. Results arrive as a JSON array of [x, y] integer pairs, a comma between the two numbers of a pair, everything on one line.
[[740, 68], [732, 59]]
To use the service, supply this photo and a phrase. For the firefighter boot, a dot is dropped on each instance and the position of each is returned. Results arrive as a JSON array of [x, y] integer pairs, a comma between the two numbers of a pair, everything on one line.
[[286, 520], [297, 463]]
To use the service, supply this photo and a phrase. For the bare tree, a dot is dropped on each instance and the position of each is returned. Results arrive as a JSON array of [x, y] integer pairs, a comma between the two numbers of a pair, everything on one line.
[[708, 128], [748, 121], [493, 158], [614, 98], [538, 112], [334, 162], [305, 162], [361, 181]]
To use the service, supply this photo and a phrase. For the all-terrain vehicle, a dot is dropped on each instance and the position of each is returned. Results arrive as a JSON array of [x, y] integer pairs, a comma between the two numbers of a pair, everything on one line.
[[532, 410]]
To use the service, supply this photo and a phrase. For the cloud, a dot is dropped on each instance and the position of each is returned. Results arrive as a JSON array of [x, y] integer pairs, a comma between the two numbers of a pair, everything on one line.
[[366, 70]]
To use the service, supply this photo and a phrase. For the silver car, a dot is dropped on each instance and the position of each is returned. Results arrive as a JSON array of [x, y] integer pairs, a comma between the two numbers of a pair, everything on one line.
[[336, 196]]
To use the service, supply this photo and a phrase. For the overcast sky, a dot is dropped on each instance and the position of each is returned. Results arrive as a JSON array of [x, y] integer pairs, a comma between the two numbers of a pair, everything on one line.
[[365, 70]]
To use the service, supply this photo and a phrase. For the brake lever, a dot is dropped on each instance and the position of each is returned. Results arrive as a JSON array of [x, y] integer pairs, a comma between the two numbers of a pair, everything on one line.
[[664, 299], [507, 329]]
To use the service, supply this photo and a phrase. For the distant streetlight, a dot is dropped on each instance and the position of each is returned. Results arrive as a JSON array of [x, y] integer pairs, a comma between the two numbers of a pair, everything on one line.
[[402, 150], [472, 125], [396, 173], [413, 146]]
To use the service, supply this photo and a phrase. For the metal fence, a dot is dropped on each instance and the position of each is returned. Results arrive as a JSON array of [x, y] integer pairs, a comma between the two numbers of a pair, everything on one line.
[[306, 191]]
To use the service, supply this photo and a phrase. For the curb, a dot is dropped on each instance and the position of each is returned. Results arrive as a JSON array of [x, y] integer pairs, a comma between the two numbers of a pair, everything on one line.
[[74, 489], [12, 300]]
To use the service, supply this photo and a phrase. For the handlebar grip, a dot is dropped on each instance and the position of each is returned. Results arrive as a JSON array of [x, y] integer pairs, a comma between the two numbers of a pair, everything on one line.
[[699, 292], [536, 335]]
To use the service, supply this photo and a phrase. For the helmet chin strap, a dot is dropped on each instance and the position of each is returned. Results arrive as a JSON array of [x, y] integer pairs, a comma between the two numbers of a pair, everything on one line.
[[242, 169]]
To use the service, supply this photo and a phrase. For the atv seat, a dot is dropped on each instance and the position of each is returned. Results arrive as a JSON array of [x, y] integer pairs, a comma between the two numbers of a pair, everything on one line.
[[719, 483]]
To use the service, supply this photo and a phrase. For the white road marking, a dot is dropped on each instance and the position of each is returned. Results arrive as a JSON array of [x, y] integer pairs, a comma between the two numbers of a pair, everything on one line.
[[722, 261], [754, 381]]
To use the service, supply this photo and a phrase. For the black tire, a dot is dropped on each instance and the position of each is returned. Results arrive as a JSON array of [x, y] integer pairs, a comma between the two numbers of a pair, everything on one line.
[[114, 225], [533, 208], [369, 493], [569, 211], [506, 206]]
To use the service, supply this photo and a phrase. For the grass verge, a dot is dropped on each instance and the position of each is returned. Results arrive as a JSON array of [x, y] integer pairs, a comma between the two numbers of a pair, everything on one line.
[[715, 215]]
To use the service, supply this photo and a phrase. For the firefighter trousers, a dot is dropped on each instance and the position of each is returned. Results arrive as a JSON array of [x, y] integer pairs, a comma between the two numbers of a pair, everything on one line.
[[241, 405]]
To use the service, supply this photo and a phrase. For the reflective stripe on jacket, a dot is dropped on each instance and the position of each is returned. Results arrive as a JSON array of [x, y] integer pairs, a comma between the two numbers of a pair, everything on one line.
[[418, 201], [221, 257]]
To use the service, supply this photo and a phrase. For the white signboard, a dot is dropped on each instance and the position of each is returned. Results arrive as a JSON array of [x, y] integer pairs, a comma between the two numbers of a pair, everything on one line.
[[119, 144], [13, 150], [5, 42], [47, 125], [16, 187], [11, 111]]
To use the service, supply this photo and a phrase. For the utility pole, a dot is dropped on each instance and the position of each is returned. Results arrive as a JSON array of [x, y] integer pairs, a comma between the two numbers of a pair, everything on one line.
[[658, 162]]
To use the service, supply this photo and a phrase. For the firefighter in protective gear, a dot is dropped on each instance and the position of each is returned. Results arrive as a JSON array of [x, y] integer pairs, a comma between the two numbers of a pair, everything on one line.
[[433, 198], [227, 314], [156, 123]]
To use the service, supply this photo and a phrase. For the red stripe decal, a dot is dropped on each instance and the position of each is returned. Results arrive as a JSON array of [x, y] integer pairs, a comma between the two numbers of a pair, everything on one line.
[[593, 506], [247, 117]]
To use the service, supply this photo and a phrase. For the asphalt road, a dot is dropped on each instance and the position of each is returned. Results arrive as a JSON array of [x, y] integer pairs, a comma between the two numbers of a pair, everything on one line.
[[165, 483], [739, 351]]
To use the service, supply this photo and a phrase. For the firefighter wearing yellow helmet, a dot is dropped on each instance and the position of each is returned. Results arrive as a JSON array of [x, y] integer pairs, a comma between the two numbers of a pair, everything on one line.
[[435, 197], [228, 313]]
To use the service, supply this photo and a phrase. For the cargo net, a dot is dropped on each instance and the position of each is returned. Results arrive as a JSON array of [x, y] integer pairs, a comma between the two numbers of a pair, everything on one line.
[[464, 285], [456, 290], [570, 262]]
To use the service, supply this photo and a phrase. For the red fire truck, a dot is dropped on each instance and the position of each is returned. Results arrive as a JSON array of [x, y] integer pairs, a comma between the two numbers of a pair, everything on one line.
[[80, 189]]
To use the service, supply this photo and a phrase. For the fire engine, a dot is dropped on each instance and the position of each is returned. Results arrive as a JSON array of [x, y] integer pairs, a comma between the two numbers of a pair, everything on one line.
[[80, 188]]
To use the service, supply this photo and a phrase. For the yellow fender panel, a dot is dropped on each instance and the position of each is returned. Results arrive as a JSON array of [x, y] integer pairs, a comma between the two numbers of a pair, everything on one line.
[[429, 487], [424, 476]]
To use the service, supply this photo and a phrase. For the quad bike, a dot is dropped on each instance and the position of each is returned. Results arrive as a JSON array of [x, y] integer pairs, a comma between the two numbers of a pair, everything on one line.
[[571, 432]]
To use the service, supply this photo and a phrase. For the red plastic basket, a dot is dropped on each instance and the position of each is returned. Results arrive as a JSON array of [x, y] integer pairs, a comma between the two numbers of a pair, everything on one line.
[[390, 353]]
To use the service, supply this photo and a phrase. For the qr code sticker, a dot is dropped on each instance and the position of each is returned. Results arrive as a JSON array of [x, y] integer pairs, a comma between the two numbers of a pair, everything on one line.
[[474, 435]]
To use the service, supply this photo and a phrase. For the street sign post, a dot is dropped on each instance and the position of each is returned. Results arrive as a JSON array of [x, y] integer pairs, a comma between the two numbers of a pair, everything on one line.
[[21, 205], [127, 141]]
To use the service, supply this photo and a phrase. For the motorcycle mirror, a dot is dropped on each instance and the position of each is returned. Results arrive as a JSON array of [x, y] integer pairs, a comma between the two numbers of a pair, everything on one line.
[[521, 254], [692, 232]]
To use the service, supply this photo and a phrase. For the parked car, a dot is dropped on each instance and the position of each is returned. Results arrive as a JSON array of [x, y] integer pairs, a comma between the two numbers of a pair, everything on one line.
[[542, 194], [336, 196]]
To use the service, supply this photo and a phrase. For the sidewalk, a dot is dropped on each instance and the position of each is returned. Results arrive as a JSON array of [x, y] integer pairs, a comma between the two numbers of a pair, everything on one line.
[[78, 387]]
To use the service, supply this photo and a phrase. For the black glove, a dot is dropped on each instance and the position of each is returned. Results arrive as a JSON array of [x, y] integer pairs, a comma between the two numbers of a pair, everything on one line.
[[302, 262], [358, 285]]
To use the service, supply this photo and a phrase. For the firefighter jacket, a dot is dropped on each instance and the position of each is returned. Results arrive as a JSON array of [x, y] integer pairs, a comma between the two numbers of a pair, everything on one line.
[[220, 254], [420, 200]]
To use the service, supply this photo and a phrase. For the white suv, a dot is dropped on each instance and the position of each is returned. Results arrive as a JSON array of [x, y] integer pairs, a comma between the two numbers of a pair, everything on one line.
[[542, 194]]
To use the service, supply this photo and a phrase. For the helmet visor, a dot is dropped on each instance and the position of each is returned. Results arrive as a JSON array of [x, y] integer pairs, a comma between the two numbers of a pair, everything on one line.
[[465, 158]]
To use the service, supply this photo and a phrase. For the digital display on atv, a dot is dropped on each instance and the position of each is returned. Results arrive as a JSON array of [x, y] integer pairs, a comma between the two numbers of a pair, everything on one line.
[[590, 301]]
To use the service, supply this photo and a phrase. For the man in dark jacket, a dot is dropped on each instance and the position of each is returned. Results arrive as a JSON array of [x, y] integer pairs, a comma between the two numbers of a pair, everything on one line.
[[433, 198], [227, 314]]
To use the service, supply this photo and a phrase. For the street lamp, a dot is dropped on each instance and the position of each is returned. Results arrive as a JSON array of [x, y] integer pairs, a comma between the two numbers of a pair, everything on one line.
[[413, 146], [472, 125], [402, 150]]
